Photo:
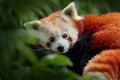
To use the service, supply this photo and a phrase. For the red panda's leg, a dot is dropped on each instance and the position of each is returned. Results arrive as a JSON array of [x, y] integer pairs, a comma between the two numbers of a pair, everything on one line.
[[106, 39], [107, 63]]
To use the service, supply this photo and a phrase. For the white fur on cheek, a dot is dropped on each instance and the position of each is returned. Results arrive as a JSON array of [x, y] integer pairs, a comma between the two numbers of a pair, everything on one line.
[[69, 28], [73, 33]]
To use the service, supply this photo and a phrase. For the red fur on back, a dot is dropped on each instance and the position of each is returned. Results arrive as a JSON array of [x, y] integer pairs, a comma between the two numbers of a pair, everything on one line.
[[105, 30], [95, 23]]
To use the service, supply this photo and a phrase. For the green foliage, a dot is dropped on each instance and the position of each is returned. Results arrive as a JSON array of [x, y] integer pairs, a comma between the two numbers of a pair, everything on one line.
[[94, 76], [56, 59], [53, 67], [17, 60], [90, 6]]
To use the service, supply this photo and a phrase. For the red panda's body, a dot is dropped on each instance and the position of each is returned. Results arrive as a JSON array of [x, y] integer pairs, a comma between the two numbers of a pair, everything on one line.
[[105, 30]]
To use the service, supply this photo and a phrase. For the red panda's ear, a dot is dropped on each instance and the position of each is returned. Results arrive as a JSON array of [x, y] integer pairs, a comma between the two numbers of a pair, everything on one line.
[[71, 12], [32, 24]]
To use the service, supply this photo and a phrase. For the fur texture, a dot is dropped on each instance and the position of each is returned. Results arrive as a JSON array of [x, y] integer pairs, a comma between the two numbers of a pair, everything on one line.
[[107, 62], [105, 30]]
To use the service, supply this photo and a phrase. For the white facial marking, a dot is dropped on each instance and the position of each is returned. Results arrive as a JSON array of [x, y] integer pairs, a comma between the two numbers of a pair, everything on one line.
[[61, 43], [59, 29], [73, 33]]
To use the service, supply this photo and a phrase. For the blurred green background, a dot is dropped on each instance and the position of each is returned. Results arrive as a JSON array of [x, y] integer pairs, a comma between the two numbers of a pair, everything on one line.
[[114, 5], [18, 61]]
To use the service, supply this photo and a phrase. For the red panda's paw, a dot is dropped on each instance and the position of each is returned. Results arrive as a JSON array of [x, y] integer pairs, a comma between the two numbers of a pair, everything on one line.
[[107, 63], [106, 39]]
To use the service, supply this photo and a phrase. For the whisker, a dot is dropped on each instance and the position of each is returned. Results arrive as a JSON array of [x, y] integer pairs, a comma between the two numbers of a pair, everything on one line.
[[82, 42], [42, 49]]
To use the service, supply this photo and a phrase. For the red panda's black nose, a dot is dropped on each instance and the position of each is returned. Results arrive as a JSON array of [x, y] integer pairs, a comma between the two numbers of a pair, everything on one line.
[[60, 48]]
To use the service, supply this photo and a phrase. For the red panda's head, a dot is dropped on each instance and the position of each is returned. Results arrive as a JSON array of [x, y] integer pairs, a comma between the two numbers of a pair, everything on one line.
[[60, 30]]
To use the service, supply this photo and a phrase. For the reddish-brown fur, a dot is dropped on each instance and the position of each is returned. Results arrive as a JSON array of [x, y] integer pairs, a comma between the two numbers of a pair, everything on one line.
[[80, 26], [108, 62], [105, 30], [106, 35], [70, 39]]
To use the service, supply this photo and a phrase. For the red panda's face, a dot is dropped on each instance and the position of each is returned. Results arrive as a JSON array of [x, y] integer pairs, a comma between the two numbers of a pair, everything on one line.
[[58, 31]]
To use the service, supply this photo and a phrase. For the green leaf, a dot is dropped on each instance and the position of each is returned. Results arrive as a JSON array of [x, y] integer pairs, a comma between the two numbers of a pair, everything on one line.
[[55, 59], [27, 53], [47, 73], [28, 36], [95, 76]]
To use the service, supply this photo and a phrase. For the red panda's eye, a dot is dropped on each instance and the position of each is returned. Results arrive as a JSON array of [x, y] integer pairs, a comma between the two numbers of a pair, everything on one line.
[[65, 35], [52, 39]]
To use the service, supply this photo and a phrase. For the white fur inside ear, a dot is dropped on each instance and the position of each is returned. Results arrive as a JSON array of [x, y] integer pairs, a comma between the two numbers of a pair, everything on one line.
[[71, 11], [32, 24]]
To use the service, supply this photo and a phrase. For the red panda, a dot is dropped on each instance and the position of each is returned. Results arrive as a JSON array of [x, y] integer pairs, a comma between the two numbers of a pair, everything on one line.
[[62, 29]]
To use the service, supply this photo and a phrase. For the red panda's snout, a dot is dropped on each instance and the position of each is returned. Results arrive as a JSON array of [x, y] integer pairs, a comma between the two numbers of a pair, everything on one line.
[[61, 45]]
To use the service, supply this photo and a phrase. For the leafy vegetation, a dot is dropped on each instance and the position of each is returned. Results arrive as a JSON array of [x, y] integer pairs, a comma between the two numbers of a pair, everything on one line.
[[18, 61]]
